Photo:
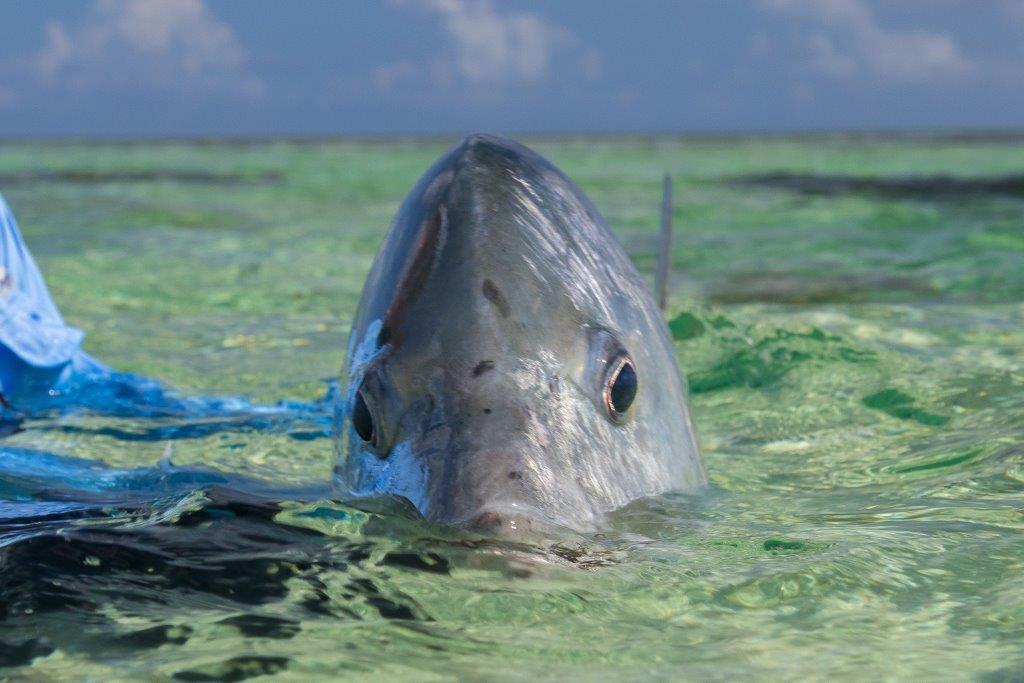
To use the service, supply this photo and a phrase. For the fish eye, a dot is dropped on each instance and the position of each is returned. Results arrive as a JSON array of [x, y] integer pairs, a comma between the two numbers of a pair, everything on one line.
[[620, 388], [362, 419]]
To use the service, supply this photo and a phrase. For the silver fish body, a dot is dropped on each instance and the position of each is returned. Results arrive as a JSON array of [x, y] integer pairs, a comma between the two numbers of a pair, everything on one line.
[[500, 329]]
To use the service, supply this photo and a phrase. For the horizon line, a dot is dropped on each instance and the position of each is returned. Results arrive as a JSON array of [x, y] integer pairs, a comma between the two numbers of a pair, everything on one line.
[[969, 132]]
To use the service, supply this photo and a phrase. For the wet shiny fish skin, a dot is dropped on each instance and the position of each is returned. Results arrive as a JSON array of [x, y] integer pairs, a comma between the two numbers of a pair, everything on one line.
[[495, 312]]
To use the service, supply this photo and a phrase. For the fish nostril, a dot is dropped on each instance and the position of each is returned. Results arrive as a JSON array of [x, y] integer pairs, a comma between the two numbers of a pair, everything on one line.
[[486, 522], [482, 367], [501, 524]]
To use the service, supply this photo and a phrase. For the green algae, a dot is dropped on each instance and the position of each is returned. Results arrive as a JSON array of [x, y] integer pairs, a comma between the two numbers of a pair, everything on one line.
[[898, 404]]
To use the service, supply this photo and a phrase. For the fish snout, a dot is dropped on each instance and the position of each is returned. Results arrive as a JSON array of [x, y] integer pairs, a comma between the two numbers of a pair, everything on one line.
[[494, 491]]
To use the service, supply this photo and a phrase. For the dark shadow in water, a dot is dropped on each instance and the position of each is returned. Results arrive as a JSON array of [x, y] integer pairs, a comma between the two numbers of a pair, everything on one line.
[[235, 669], [96, 177], [930, 188], [80, 542], [19, 653], [819, 288], [227, 553], [85, 566], [263, 626]]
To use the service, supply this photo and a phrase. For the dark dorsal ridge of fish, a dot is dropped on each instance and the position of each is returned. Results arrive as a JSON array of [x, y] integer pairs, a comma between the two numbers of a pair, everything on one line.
[[508, 369]]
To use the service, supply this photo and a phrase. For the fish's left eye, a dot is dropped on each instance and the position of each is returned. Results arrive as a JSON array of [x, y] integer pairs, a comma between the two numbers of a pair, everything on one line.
[[362, 420], [620, 388]]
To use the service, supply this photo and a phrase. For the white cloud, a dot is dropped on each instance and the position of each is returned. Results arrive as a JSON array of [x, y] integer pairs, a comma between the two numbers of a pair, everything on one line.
[[491, 47], [165, 45], [850, 43]]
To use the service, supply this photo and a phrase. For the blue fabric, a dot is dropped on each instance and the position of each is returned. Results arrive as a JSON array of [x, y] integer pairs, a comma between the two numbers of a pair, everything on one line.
[[31, 327], [11, 368]]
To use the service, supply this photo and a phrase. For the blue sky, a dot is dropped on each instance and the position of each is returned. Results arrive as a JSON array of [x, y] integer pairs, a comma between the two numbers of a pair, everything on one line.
[[251, 67]]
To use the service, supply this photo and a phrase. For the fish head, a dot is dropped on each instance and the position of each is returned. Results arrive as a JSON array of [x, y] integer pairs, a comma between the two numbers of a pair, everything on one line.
[[508, 370]]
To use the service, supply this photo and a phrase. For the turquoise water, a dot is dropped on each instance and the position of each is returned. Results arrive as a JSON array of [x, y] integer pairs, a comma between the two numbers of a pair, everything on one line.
[[849, 312]]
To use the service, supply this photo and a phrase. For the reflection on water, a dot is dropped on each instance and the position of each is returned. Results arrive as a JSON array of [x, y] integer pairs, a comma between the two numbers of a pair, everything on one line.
[[849, 316]]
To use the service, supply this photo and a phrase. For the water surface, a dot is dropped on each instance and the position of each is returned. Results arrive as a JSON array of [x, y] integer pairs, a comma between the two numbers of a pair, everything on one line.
[[849, 314]]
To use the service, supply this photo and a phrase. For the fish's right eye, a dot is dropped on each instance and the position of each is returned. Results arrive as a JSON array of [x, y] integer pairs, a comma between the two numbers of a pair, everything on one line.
[[362, 419]]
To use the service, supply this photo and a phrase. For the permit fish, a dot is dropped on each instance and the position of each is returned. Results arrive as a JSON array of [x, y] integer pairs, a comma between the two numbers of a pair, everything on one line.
[[508, 368]]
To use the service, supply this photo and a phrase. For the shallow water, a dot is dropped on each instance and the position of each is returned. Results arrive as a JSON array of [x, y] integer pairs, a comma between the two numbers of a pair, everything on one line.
[[849, 314]]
